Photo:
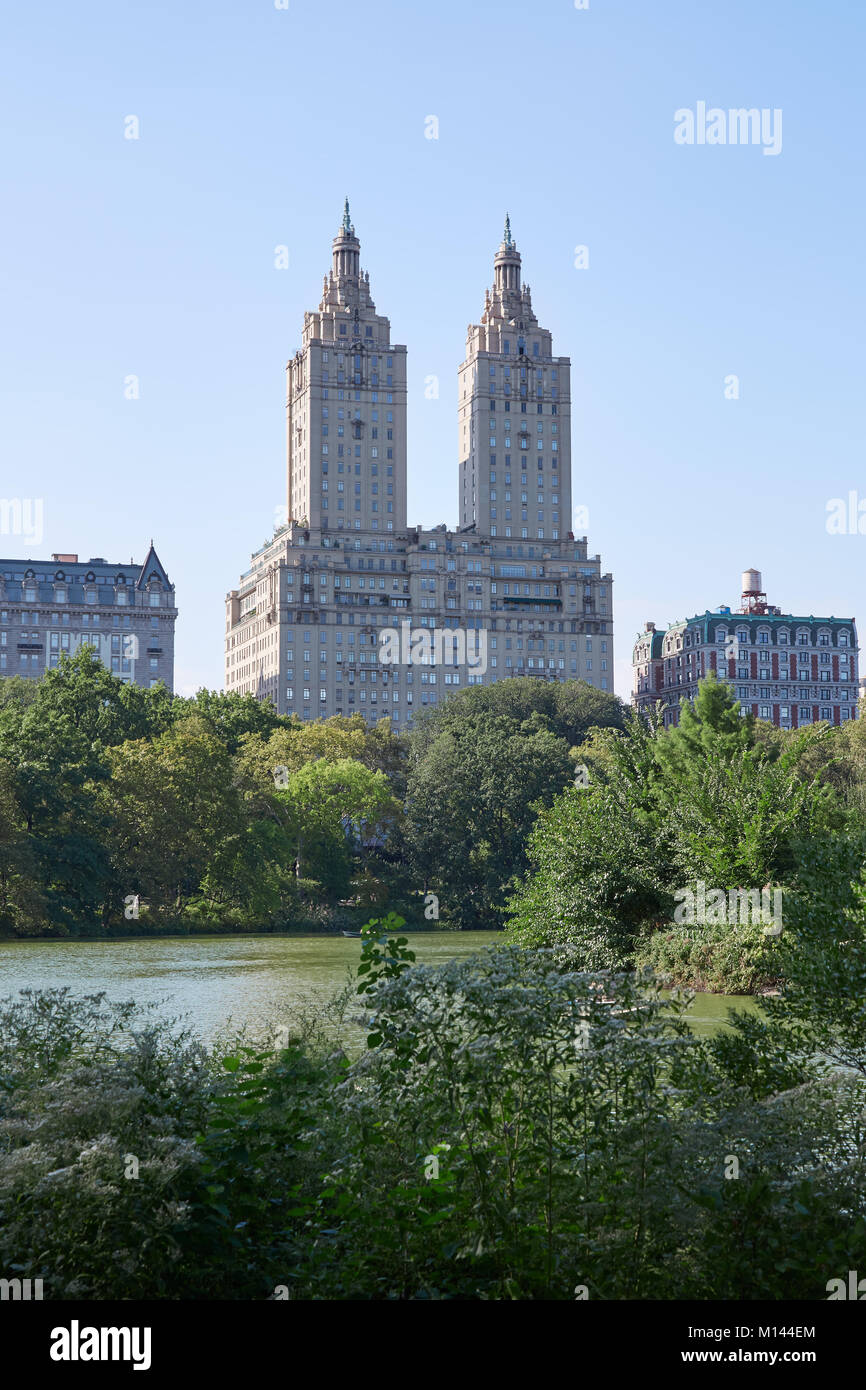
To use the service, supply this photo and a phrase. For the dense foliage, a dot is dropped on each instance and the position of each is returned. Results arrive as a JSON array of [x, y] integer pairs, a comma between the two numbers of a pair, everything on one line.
[[127, 810], [514, 1129], [536, 1122], [122, 808], [715, 802]]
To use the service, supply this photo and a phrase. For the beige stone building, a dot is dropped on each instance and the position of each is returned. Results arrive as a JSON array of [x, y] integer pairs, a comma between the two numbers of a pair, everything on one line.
[[346, 407], [314, 622], [514, 416]]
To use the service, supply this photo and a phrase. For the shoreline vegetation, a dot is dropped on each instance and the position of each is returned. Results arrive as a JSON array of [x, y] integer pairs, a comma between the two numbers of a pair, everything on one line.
[[538, 1120], [508, 1128], [142, 931], [545, 811]]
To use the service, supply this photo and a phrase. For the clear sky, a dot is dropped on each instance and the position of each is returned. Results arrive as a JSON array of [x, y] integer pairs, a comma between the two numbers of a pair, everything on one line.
[[155, 258]]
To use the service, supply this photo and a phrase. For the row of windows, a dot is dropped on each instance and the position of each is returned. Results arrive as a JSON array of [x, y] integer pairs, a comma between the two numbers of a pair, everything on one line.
[[427, 696], [374, 488], [506, 371], [374, 360], [803, 692], [85, 619], [357, 418], [803, 637], [554, 463], [374, 454], [31, 662], [151, 599], [532, 644]]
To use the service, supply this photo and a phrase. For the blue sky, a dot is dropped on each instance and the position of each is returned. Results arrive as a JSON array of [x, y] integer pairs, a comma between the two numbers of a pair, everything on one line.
[[155, 258]]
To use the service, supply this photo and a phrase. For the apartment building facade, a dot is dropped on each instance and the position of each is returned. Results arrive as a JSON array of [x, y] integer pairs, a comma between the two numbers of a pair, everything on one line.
[[788, 670], [510, 592], [126, 613]]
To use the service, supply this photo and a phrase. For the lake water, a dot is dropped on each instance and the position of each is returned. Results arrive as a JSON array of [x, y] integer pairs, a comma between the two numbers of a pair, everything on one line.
[[253, 981]]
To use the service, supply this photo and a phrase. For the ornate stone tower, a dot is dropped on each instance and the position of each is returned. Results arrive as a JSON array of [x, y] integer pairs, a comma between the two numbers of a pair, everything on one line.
[[514, 416], [346, 407]]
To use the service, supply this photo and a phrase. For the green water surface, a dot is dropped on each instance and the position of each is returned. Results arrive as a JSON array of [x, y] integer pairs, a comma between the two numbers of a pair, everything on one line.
[[251, 981]]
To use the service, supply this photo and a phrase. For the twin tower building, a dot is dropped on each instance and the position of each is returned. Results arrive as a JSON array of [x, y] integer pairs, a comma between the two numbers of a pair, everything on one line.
[[348, 609]]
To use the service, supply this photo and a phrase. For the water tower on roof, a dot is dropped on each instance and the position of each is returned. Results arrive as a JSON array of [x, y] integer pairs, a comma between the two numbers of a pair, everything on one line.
[[754, 598]]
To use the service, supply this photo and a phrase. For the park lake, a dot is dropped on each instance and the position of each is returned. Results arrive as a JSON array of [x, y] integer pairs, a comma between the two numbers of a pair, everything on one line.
[[255, 982]]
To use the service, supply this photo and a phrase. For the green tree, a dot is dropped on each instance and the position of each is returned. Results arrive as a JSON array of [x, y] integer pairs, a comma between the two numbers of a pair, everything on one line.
[[473, 795], [56, 743], [600, 857], [823, 952], [734, 803], [569, 708], [664, 807], [232, 717], [173, 815], [332, 811]]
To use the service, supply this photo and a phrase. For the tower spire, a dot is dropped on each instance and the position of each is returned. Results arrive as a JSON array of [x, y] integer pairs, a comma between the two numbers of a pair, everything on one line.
[[346, 278], [507, 273]]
